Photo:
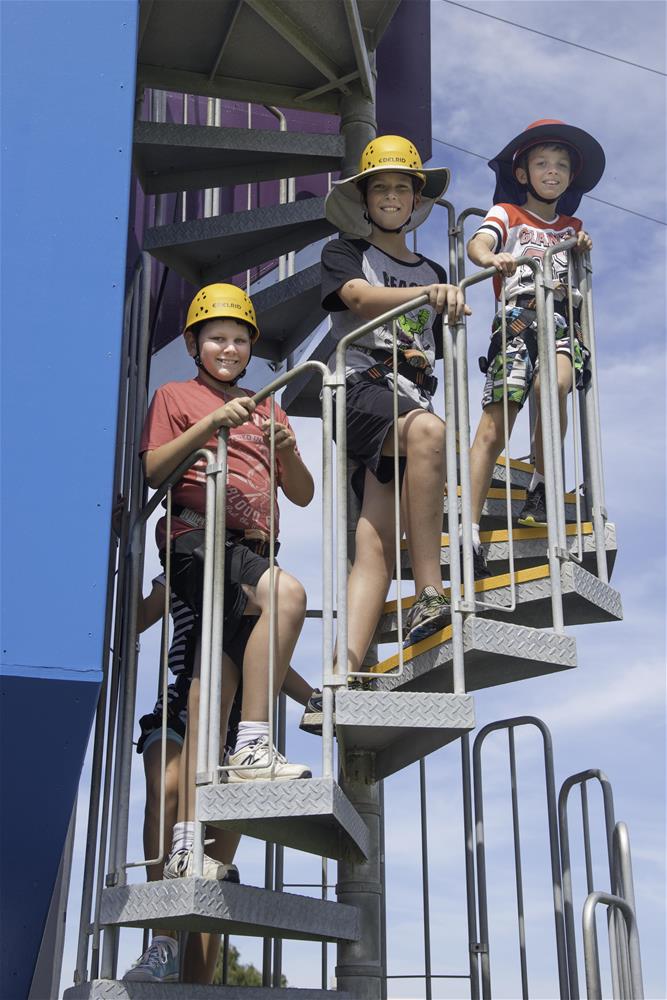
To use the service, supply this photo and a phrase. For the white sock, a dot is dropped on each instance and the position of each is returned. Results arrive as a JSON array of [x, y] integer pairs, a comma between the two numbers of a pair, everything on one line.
[[183, 837], [476, 543], [537, 478], [163, 939], [249, 732]]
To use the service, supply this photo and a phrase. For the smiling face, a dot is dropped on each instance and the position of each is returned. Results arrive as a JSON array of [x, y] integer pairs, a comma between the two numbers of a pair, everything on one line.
[[549, 169], [390, 198], [224, 348]]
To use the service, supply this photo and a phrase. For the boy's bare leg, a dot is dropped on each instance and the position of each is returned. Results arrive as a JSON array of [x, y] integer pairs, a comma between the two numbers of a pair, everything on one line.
[[188, 766], [297, 687], [422, 440], [153, 771], [290, 610], [201, 956], [372, 570], [564, 370], [487, 446]]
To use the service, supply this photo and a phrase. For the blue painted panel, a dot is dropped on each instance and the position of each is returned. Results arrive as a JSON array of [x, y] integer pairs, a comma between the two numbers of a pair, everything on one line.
[[67, 108], [44, 728]]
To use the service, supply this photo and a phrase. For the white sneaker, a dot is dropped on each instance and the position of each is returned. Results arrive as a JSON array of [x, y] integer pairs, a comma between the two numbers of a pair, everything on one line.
[[179, 865], [158, 964], [255, 756]]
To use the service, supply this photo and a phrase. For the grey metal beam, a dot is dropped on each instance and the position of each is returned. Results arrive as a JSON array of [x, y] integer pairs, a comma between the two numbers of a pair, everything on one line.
[[359, 46], [309, 95], [225, 39], [113, 989], [297, 37]]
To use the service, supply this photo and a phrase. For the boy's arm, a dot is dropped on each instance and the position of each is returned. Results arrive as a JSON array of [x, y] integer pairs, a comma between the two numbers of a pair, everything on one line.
[[295, 479], [150, 609], [368, 301], [480, 252], [161, 462]]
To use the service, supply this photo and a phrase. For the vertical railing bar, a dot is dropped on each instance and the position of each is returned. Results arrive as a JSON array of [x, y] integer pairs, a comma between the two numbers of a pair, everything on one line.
[[426, 905], [481, 866], [453, 508], [593, 982], [626, 889], [272, 574], [328, 695], [468, 834], [595, 488], [115, 556], [463, 415], [397, 500], [575, 411], [280, 850], [325, 894], [587, 838], [506, 448], [553, 500], [269, 849], [383, 882], [217, 614], [517, 866]]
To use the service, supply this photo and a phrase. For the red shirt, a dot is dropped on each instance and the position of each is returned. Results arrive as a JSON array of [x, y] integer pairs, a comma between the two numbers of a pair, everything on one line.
[[177, 406]]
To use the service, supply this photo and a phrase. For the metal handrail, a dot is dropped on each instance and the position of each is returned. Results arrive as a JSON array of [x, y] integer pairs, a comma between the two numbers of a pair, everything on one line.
[[592, 962]]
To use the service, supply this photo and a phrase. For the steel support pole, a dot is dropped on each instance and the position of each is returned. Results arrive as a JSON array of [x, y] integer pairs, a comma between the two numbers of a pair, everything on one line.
[[358, 125], [359, 970]]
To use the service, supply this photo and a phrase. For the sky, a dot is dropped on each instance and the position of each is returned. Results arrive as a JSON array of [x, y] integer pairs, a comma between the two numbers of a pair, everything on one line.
[[489, 81]]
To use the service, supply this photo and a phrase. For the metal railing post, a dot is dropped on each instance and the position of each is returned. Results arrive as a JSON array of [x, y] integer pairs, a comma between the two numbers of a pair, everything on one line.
[[591, 957], [552, 819], [591, 431]]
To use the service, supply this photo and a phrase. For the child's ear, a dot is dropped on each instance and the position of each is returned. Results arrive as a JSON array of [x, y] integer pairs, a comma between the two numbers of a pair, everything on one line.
[[521, 175], [191, 343]]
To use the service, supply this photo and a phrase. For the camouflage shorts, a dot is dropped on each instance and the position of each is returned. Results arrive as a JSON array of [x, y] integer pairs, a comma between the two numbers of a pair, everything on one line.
[[521, 358]]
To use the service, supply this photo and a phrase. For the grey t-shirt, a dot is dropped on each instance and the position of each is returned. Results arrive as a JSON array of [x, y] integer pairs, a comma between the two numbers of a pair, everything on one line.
[[345, 259]]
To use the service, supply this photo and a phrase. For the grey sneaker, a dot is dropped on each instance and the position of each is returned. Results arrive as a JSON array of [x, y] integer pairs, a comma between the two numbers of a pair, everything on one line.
[[534, 511], [254, 764], [430, 612], [158, 964], [179, 865], [311, 720]]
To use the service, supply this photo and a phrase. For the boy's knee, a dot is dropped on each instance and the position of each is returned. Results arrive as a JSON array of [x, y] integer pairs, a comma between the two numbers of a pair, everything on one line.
[[490, 433], [428, 433], [292, 594]]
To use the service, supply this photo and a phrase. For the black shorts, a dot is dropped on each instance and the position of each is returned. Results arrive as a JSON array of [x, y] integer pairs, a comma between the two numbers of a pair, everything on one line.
[[370, 417], [242, 566]]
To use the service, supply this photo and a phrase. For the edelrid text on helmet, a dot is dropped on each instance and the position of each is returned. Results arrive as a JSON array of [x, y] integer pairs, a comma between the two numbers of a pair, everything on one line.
[[222, 301], [389, 152]]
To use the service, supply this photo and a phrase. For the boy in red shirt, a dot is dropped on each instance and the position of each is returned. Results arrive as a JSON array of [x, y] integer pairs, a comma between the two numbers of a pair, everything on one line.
[[541, 177], [184, 416]]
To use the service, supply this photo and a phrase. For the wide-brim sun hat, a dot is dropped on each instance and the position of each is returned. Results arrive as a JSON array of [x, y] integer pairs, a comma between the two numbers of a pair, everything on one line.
[[345, 207], [587, 170]]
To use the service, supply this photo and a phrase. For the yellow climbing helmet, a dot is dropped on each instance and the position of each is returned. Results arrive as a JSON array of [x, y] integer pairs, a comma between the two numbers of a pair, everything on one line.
[[222, 301], [345, 203]]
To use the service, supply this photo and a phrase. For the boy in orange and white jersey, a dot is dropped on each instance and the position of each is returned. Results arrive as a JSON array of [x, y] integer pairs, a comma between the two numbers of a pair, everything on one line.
[[541, 176]]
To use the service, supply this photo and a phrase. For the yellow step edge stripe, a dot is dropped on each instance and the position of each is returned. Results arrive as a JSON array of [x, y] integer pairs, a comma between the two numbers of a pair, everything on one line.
[[481, 586], [502, 535], [419, 647]]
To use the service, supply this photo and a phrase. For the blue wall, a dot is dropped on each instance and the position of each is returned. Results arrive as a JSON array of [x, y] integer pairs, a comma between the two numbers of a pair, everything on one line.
[[67, 108]]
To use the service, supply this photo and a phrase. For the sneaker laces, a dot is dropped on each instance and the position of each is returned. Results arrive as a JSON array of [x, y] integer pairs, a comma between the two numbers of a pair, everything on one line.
[[155, 956], [180, 863]]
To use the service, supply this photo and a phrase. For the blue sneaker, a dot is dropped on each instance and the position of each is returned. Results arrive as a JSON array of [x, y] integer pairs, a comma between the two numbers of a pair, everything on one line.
[[158, 964]]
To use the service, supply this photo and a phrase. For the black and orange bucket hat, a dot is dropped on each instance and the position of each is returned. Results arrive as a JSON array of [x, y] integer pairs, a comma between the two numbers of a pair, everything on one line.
[[588, 162]]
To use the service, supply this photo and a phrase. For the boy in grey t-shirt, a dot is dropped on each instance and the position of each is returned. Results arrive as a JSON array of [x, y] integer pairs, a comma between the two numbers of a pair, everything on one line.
[[366, 273]]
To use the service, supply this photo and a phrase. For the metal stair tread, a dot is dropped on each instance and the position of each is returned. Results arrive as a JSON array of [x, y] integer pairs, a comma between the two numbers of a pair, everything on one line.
[[400, 727], [496, 652], [172, 157], [585, 599], [199, 904], [287, 312], [204, 250], [530, 548], [117, 989], [310, 814], [494, 511]]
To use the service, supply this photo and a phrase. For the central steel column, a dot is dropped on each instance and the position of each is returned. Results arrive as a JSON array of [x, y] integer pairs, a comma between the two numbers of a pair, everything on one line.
[[360, 971]]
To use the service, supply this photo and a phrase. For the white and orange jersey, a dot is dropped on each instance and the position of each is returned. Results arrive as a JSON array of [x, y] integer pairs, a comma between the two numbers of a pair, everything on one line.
[[519, 232]]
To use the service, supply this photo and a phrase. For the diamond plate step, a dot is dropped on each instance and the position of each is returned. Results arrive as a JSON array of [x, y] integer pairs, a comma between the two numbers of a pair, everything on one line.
[[200, 904], [520, 473], [399, 727], [170, 157], [530, 548], [494, 511], [287, 313], [585, 600], [496, 652], [311, 814], [205, 250], [114, 989]]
